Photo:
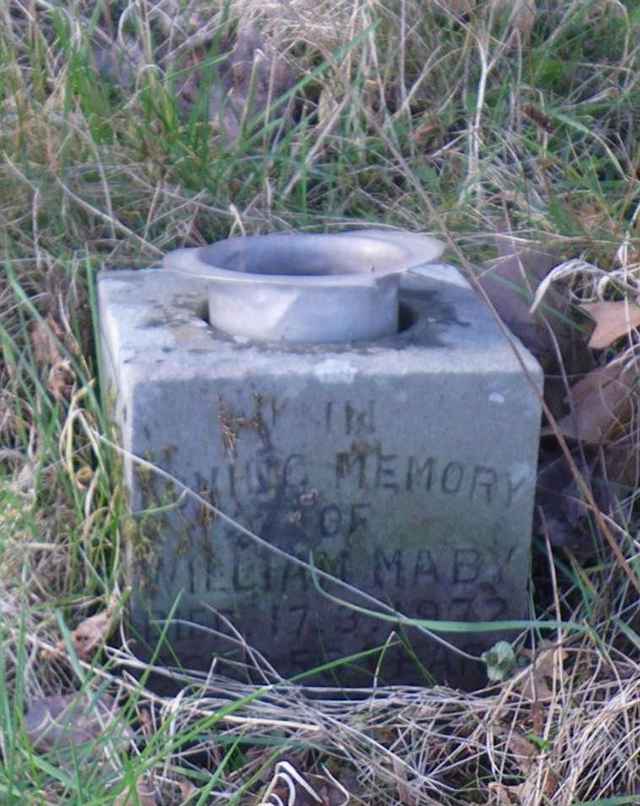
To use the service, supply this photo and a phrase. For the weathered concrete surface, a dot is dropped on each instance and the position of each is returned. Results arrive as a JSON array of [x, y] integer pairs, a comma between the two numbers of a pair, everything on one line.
[[406, 467]]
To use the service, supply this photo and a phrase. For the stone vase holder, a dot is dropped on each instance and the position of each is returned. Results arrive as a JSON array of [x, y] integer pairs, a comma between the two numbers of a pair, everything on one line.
[[314, 289], [352, 403]]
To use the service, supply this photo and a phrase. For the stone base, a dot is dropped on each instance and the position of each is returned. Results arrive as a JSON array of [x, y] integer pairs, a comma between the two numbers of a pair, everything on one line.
[[405, 467]]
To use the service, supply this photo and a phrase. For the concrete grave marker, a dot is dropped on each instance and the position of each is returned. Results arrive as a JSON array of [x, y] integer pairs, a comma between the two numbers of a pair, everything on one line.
[[404, 465]]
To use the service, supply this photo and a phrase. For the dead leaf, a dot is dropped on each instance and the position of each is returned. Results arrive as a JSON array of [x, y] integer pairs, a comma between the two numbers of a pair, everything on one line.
[[64, 722], [532, 763], [119, 61], [620, 464], [83, 477], [46, 334], [534, 681], [24, 482], [560, 508], [145, 795], [524, 793], [92, 633], [146, 722], [505, 795], [595, 381], [523, 751], [539, 782], [613, 320], [187, 791], [429, 131], [458, 6], [48, 798], [510, 282], [404, 794], [538, 117], [252, 77], [522, 13], [599, 403], [89, 635], [61, 380], [551, 782]]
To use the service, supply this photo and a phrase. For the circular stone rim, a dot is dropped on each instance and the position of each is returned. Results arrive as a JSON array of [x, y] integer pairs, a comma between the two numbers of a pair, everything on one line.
[[418, 250], [351, 293]]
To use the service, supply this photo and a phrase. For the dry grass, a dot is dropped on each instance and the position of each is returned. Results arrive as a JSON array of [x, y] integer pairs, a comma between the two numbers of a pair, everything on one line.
[[127, 130]]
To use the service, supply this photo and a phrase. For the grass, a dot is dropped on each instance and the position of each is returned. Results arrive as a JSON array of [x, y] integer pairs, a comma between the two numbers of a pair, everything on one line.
[[461, 118]]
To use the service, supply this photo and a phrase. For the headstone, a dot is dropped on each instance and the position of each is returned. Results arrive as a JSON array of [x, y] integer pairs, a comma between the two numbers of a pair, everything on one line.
[[403, 466]]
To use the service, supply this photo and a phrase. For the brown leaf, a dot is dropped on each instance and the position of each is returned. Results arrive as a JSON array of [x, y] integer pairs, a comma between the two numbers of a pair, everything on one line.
[[523, 751], [530, 760], [613, 320], [187, 791], [521, 13], [119, 61], [92, 633], [510, 283], [146, 723], [25, 481], [253, 76], [620, 462], [89, 635], [428, 130], [505, 795], [404, 794], [538, 117], [532, 763], [551, 782], [49, 798], [45, 336], [600, 401], [62, 722], [534, 682], [61, 381], [83, 477], [540, 782], [145, 795], [459, 6]]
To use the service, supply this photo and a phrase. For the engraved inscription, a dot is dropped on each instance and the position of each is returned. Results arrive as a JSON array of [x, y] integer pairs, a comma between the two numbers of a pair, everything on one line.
[[365, 463], [460, 582], [367, 466], [349, 418], [461, 576], [393, 518]]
